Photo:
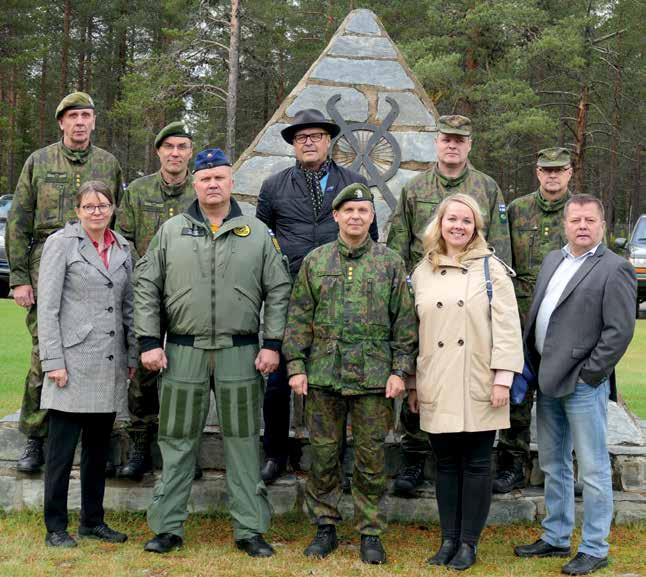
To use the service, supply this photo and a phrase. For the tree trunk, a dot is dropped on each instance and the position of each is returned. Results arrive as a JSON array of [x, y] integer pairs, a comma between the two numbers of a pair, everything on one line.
[[42, 102], [580, 138], [610, 192], [11, 132], [88, 54], [234, 64], [65, 47], [635, 200]]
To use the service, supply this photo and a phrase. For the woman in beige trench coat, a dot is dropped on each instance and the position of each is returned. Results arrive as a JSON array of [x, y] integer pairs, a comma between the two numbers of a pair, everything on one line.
[[469, 350]]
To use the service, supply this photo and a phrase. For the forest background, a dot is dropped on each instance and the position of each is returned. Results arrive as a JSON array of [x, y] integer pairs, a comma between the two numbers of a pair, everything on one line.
[[530, 74]]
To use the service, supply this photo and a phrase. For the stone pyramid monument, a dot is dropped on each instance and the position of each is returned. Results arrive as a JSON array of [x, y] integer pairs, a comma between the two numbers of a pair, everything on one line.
[[362, 82]]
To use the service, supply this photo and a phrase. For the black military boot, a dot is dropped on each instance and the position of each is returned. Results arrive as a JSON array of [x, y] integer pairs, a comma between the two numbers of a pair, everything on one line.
[[33, 457], [409, 478], [372, 551], [139, 458], [324, 542], [509, 478]]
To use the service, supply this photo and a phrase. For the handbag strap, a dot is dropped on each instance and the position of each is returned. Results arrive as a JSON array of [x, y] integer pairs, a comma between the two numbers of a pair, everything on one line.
[[488, 283]]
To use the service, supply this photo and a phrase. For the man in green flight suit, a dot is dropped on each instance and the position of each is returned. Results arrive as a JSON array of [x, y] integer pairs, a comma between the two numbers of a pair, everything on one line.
[[536, 225], [350, 342], [207, 272], [43, 203], [420, 197], [148, 202]]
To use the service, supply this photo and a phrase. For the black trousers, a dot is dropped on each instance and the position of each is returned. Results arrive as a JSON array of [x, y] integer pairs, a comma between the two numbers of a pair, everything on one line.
[[463, 482], [275, 411], [94, 429]]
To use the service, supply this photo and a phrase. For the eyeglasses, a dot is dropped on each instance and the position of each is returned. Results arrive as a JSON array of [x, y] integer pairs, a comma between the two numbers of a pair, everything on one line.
[[315, 137], [170, 147], [554, 169], [92, 208]]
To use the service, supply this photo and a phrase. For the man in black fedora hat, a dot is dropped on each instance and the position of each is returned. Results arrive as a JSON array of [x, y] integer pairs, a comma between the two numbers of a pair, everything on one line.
[[296, 203]]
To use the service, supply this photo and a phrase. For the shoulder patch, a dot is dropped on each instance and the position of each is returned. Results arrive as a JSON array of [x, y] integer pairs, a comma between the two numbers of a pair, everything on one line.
[[502, 212], [274, 240], [243, 231]]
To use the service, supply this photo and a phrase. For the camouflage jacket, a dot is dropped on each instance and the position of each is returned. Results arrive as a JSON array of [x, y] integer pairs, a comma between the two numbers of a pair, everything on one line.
[[536, 227], [420, 198], [45, 199], [351, 318], [147, 203]]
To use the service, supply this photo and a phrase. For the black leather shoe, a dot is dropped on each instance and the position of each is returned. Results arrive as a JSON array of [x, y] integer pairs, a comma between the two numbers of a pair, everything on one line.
[[541, 549], [445, 553], [103, 533], [270, 471], [255, 546], [582, 564], [509, 479], [409, 479], [464, 558], [324, 542], [59, 539], [372, 551], [33, 457], [163, 543], [139, 457]]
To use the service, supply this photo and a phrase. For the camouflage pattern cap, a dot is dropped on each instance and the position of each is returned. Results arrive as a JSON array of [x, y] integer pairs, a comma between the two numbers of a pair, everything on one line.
[[75, 100], [210, 158], [177, 128], [553, 157], [454, 124], [355, 191]]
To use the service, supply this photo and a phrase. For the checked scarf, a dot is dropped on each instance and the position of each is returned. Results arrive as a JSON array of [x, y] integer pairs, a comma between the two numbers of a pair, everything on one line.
[[313, 180]]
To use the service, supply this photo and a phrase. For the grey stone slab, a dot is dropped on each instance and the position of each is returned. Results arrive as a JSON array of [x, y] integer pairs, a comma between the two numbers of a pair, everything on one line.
[[631, 471], [272, 142], [412, 111], [416, 146], [386, 73], [12, 418], [7, 493], [363, 22], [508, 511], [400, 178], [248, 178], [627, 513], [354, 46], [247, 209], [12, 442], [353, 105], [419, 510]]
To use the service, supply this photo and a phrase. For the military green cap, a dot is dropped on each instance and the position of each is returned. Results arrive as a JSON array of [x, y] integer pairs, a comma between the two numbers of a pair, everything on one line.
[[553, 157], [177, 128], [454, 124], [355, 191], [74, 100]]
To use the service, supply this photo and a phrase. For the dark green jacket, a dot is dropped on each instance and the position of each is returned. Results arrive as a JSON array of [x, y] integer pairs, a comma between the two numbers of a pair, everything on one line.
[[351, 318]]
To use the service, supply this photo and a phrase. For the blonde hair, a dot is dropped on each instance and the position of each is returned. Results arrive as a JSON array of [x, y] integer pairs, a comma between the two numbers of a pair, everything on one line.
[[434, 244]]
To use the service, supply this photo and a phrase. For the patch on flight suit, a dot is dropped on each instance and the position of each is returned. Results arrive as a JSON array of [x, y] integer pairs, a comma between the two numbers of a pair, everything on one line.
[[242, 230], [274, 240]]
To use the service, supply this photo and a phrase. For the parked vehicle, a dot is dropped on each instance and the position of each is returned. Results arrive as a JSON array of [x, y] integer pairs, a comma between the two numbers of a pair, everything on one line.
[[635, 251]]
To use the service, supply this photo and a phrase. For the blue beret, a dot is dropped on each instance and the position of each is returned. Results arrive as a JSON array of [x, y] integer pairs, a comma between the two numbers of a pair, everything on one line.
[[210, 158]]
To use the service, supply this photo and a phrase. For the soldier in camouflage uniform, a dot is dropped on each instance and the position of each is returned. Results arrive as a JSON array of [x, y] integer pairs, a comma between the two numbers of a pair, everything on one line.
[[350, 342], [536, 224], [43, 203], [419, 199], [148, 202]]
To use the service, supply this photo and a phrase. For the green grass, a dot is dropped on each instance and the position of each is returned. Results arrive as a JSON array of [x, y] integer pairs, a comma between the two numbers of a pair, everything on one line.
[[15, 344], [209, 551]]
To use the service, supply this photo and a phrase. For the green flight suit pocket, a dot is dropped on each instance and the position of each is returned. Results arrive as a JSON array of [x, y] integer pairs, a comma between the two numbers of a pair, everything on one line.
[[377, 359], [182, 408]]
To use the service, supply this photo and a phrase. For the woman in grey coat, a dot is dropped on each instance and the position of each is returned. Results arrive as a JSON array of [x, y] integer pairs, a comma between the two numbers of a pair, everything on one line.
[[87, 351]]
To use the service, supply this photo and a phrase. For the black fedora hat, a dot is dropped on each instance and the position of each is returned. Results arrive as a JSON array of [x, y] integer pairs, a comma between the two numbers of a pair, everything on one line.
[[309, 118]]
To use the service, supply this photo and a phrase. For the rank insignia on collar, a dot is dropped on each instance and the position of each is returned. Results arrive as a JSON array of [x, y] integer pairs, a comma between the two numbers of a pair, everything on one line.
[[242, 230]]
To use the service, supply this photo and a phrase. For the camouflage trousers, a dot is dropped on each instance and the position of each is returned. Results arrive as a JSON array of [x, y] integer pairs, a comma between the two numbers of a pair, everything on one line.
[[143, 400], [33, 419], [513, 443], [371, 416], [415, 444]]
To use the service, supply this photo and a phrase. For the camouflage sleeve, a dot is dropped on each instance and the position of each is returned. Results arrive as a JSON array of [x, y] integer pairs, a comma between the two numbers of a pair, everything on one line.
[[400, 233], [299, 332], [404, 332], [126, 223], [20, 227], [276, 286], [149, 288], [119, 184], [498, 234]]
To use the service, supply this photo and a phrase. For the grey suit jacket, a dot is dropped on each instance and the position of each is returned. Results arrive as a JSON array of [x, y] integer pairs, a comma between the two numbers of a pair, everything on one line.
[[591, 326], [85, 322]]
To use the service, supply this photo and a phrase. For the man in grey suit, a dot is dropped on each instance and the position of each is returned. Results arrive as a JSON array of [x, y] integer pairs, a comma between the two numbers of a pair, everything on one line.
[[578, 328]]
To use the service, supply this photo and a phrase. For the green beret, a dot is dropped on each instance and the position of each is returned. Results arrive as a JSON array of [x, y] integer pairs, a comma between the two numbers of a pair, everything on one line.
[[454, 124], [177, 128], [553, 157], [74, 100], [355, 191]]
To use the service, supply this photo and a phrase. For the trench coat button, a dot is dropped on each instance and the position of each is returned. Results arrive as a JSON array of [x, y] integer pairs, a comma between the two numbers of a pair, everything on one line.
[[439, 305], [110, 309], [443, 272], [460, 342], [440, 344], [110, 357], [109, 285], [464, 271], [111, 333], [460, 303]]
